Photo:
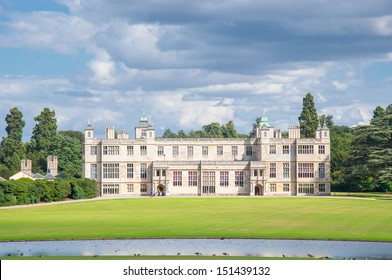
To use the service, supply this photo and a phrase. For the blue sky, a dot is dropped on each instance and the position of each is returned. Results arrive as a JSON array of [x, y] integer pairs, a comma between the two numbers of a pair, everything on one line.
[[190, 63]]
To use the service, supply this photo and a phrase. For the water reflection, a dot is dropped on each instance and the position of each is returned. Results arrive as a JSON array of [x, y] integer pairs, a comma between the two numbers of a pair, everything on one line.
[[209, 247]]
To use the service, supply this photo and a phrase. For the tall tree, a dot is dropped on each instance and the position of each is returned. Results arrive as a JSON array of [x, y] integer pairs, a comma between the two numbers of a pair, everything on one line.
[[213, 130], [69, 152], [45, 131], [12, 146], [308, 119], [42, 139], [228, 130], [371, 150]]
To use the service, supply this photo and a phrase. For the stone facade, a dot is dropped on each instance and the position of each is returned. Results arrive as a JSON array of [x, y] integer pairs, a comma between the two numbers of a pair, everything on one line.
[[266, 165]]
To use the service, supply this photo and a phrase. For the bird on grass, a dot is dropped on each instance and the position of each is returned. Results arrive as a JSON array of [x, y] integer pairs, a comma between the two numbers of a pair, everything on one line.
[[225, 254], [310, 256], [198, 254]]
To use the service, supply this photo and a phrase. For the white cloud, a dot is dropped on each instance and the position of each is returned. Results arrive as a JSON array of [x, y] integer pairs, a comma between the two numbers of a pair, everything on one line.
[[340, 86], [47, 30], [351, 114], [383, 25], [104, 70]]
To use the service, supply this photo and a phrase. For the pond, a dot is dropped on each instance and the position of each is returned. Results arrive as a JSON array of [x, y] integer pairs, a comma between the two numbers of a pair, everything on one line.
[[209, 247]]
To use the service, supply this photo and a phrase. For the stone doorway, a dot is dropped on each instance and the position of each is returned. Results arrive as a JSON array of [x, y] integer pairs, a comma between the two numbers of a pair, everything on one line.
[[161, 190], [258, 190]]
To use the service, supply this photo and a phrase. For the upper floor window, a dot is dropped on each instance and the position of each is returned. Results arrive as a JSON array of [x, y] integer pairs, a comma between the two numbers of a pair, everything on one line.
[[111, 150], [248, 151], [286, 170], [219, 150], [144, 133], [129, 170], [321, 169], [130, 150], [305, 170], [143, 150], [272, 149], [272, 170], [161, 151], [321, 149], [204, 150], [234, 150], [286, 149], [93, 150], [305, 149], [143, 170], [175, 151], [190, 150], [93, 170], [111, 170]]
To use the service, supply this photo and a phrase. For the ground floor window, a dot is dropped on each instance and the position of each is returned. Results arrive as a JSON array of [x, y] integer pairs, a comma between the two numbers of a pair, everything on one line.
[[273, 187], [321, 187], [208, 182], [224, 178], [177, 178], [305, 188], [143, 188], [239, 178], [111, 189], [192, 178], [130, 188], [286, 187]]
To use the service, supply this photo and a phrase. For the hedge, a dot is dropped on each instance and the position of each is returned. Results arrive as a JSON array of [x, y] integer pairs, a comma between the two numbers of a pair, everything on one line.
[[27, 191]]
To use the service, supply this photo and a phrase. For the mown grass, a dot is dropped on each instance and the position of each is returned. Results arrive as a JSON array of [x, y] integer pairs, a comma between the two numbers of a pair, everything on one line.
[[287, 218]]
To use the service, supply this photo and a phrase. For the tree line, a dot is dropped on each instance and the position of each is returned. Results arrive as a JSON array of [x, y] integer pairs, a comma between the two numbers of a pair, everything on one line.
[[361, 156], [212, 130], [45, 140]]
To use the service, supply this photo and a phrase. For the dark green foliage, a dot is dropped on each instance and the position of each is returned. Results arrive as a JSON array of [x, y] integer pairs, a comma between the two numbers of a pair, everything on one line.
[[44, 132], [212, 130], [326, 120], [5, 172], [25, 191], [69, 153], [73, 134], [12, 148], [308, 119], [371, 150], [169, 134]]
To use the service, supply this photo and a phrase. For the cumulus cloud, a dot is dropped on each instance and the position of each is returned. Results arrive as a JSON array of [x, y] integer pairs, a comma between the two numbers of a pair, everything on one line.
[[189, 63], [47, 30]]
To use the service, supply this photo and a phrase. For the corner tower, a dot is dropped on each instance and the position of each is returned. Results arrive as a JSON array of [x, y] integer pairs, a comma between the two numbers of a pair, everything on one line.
[[145, 129]]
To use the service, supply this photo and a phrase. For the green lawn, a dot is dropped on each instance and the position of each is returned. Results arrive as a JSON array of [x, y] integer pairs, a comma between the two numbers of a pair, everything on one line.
[[290, 217]]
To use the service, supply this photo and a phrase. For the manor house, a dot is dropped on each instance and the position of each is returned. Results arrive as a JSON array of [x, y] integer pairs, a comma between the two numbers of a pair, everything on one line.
[[263, 165]]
